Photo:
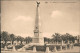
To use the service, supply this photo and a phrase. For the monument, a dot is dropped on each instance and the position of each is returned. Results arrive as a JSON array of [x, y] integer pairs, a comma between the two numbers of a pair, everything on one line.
[[37, 39]]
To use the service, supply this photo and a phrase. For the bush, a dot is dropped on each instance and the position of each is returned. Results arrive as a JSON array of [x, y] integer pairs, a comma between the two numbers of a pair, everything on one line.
[[30, 48], [77, 44], [10, 47], [40, 48], [2, 45], [19, 46], [43, 48]]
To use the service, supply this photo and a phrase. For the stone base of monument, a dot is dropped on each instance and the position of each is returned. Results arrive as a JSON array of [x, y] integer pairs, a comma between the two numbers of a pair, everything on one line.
[[37, 44]]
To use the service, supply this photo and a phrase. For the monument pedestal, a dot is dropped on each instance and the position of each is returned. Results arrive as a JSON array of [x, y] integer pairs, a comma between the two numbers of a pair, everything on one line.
[[38, 41]]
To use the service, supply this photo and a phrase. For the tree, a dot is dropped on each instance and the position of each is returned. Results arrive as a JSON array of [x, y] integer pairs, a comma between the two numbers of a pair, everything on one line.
[[19, 38], [56, 37], [45, 39], [67, 37], [5, 36], [28, 39], [12, 36]]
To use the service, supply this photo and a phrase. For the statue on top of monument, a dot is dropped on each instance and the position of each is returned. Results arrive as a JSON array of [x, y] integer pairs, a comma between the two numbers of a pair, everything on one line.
[[37, 3]]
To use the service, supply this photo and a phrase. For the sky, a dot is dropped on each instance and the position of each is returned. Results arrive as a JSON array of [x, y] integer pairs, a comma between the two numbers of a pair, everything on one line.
[[18, 17]]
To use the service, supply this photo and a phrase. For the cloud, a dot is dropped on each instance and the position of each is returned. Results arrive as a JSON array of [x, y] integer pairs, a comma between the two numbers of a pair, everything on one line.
[[23, 18], [56, 14]]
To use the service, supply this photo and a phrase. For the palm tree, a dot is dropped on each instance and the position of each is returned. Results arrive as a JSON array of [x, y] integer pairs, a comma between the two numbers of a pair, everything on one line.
[[56, 37], [68, 37]]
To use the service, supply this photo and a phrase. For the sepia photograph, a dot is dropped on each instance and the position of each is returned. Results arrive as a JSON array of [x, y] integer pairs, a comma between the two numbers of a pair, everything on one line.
[[40, 26]]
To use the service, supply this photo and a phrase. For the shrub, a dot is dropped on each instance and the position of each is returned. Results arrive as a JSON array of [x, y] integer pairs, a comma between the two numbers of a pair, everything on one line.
[[19, 46], [9, 47], [2, 45], [30, 48], [40, 48], [77, 44]]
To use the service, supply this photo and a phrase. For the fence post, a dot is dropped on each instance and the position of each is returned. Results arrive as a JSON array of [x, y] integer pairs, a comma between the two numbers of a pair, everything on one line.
[[61, 47], [5, 48], [55, 49], [34, 48], [47, 49]]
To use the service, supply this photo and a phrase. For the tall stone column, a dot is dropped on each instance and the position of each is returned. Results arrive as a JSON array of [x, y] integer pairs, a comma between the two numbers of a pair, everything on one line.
[[38, 39]]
